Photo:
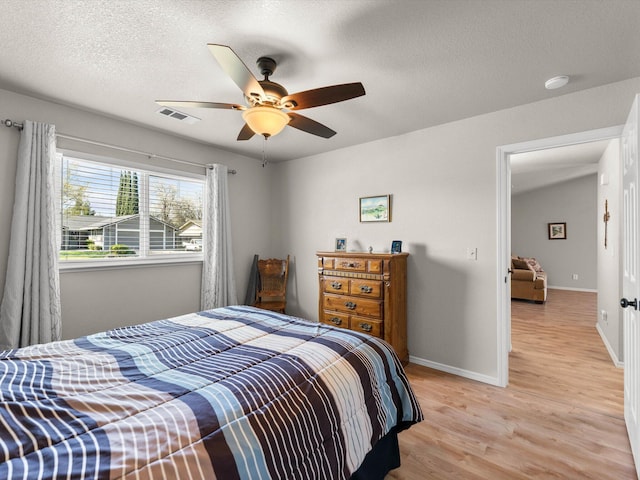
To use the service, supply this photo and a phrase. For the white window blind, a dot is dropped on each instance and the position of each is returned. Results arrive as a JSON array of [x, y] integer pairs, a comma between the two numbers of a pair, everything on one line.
[[109, 211]]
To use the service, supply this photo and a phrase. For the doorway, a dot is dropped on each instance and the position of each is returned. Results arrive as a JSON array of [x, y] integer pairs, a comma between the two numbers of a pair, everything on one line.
[[503, 156]]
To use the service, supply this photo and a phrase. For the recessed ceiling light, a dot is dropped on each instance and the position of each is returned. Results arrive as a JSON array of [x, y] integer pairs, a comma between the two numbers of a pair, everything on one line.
[[556, 82]]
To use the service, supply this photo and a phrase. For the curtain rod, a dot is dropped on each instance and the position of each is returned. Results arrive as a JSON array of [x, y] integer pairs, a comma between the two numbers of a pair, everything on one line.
[[11, 123], [19, 126]]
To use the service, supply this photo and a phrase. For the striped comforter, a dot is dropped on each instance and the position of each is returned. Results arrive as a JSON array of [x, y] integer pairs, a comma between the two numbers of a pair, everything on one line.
[[228, 393]]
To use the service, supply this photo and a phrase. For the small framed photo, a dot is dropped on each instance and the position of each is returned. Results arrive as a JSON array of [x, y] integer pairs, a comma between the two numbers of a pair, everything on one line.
[[375, 209], [396, 246], [557, 231], [341, 244]]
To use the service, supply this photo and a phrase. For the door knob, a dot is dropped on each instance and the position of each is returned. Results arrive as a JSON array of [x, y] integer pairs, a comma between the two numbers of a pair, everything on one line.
[[624, 303]]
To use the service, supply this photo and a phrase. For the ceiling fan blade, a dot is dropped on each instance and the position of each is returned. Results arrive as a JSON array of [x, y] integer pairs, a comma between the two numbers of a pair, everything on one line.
[[172, 103], [237, 70], [323, 96], [246, 133], [310, 126]]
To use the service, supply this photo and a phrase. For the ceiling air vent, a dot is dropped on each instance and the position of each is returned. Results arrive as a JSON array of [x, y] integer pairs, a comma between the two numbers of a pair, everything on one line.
[[183, 117]]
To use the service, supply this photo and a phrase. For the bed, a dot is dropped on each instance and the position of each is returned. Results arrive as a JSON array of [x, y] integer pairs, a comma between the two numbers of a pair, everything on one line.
[[229, 393]]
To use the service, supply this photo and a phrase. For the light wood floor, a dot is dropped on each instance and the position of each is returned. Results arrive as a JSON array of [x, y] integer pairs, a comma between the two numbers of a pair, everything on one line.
[[560, 418]]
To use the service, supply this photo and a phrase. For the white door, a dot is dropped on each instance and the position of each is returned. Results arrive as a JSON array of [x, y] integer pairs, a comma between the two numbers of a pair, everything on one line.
[[630, 281]]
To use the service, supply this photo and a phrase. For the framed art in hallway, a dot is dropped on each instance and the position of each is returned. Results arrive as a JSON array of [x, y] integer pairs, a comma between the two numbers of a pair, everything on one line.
[[557, 231]]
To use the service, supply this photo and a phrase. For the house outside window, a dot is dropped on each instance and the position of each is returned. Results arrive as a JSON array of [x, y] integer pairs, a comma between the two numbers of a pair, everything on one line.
[[112, 212]]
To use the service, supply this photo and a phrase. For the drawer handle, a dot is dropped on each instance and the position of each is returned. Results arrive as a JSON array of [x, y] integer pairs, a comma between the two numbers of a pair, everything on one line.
[[336, 285], [365, 289], [350, 305], [336, 321], [367, 327]]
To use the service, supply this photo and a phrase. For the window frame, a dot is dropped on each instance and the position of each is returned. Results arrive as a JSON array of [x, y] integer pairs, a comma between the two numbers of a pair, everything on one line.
[[147, 260]]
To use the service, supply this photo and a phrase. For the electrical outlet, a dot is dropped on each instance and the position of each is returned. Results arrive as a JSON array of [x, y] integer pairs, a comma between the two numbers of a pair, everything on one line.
[[604, 316], [574, 276]]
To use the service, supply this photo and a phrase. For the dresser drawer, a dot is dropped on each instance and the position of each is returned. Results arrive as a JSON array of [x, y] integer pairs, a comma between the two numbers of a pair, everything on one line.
[[367, 325], [351, 264], [327, 263], [366, 288], [336, 319], [374, 266], [357, 306], [352, 286], [339, 285], [371, 326]]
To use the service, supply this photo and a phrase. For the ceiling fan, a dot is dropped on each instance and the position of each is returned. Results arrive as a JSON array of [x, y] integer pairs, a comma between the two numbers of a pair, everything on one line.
[[268, 103]]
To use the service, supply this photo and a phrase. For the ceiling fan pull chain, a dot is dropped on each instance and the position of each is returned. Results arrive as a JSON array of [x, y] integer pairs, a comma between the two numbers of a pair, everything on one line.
[[264, 146]]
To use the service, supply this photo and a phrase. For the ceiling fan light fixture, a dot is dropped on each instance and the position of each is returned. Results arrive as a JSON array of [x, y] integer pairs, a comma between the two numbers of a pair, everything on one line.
[[266, 121]]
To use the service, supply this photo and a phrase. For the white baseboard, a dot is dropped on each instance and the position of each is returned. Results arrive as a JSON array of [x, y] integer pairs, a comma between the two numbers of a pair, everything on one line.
[[494, 380], [612, 353], [455, 371], [590, 290]]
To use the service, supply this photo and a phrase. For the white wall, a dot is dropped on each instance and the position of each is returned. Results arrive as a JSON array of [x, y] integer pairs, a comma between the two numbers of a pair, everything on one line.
[[573, 202], [609, 259], [443, 182], [97, 300]]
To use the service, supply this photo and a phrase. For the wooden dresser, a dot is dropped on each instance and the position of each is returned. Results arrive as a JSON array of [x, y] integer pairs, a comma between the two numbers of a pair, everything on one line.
[[366, 292]]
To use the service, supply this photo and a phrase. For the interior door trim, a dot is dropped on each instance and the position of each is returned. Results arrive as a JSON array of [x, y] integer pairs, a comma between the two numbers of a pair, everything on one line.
[[503, 211]]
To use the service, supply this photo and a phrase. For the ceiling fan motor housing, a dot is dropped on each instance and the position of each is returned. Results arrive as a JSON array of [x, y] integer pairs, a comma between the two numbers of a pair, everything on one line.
[[273, 93]]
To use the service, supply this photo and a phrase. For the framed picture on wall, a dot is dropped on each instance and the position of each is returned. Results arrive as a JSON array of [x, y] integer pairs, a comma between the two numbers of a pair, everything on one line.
[[557, 231], [375, 209]]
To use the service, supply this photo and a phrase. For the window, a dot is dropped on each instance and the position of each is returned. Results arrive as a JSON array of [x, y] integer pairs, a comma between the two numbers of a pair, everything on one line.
[[113, 212]]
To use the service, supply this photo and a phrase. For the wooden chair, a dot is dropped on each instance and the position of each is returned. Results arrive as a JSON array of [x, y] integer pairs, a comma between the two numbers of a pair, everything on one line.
[[271, 293]]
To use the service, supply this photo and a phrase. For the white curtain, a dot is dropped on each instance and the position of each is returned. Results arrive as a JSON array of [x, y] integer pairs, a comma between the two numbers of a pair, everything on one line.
[[218, 279], [30, 312]]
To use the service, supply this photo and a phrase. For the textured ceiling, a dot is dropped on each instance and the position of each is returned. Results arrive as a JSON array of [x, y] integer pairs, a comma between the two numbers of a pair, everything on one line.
[[422, 63], [541, 168]]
